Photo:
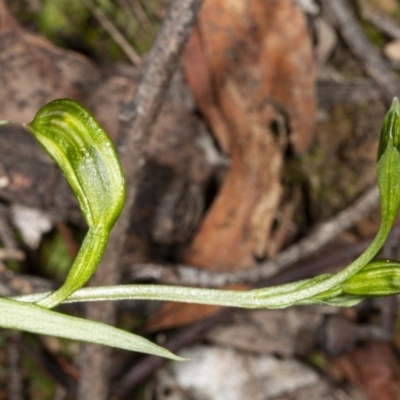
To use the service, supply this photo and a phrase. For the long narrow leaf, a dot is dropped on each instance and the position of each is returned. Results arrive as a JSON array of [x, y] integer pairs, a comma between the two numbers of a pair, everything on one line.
[[32, 318]]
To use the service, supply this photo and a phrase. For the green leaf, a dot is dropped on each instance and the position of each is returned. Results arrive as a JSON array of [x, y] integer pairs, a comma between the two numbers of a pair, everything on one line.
[[87, 157], [31, 318]]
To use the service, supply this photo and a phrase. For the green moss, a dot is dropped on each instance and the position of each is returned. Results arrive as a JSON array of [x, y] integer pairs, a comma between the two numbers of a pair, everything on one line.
[[61, 19], [70, 24], [340, 165], [318, 360], [373, 34]]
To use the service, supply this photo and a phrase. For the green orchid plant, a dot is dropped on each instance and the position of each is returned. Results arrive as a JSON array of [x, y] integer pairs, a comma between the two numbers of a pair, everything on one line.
[[86, 155]]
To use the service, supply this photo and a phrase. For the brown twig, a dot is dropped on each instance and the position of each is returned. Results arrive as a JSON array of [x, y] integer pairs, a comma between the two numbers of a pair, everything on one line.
[[113, 31], [12, 284], [136, 121], [141, 16], [186, 275], [6, 235], [383, 22], [11, 254], [374, 65], [331, 92]]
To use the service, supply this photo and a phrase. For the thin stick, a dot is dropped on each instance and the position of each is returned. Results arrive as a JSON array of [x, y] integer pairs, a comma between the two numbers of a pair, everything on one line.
[[141, 16], [12, 254], [186, 275], [372, 62], [113, 31], [383, 22], [137, 119]]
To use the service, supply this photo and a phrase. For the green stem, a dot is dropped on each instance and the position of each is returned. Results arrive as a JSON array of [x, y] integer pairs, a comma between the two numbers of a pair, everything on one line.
[[280, 296], [228, 298], [85, 264], [285, 300]]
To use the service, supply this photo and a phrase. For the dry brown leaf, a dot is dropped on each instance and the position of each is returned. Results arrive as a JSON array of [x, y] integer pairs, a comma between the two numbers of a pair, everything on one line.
[[201, 82], [33, 71], [250, 66], [172, 315], [373, 368]]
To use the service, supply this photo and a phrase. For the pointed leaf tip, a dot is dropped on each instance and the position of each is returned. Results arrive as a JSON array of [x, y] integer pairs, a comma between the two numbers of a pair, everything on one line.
[[35, 319]]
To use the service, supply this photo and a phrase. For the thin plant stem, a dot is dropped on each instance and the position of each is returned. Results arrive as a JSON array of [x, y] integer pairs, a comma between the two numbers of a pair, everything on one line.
[[288, 299]]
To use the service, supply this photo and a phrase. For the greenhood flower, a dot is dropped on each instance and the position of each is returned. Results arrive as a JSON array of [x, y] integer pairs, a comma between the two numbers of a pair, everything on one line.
[[390, 131], [86, 155], [388, 167]]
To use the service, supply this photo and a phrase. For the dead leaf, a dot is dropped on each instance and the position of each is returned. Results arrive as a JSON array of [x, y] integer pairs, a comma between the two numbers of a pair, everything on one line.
[[250, 67], [34, 71], [201, 83], [172, 315], [373, 368]]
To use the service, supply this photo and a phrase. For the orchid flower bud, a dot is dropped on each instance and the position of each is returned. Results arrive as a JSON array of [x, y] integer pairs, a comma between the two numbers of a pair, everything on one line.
[[390, 130], [388, 167], [378, 278], [87, 157]]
